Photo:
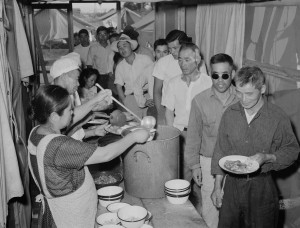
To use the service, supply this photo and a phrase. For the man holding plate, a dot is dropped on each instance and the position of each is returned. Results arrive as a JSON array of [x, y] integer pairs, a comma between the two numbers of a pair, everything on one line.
[[260, 130]]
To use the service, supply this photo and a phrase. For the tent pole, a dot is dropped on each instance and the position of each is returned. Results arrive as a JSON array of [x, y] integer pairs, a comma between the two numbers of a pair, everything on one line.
[[119, 26], [70, 27], [40, 52]]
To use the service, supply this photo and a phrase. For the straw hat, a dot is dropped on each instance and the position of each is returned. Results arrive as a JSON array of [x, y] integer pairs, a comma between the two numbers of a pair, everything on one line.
[[123, 37]]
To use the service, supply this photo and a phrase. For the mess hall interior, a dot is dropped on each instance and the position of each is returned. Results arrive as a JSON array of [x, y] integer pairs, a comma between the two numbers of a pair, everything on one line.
[[126, 82]]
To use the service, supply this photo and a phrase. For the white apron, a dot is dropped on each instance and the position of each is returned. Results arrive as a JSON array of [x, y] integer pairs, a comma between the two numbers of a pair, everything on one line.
[[76, 210]]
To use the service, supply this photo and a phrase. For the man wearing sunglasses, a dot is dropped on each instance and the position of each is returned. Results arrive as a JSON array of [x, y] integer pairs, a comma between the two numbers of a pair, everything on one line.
[[262, 131], [181, 90], [206, 112]]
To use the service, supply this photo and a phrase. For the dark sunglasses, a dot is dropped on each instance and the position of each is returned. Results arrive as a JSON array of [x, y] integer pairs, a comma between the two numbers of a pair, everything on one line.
[[216, 76]]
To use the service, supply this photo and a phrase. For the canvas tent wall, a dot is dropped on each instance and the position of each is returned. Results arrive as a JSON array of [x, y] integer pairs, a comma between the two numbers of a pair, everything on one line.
[[53, 24], [145, 27], [110, 19]]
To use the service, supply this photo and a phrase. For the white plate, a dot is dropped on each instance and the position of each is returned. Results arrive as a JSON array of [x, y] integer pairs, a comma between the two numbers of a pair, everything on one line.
[[252, 165], [98, 121]]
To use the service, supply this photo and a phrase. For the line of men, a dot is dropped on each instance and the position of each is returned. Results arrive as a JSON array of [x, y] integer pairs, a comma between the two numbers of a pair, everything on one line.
[[216, 119]]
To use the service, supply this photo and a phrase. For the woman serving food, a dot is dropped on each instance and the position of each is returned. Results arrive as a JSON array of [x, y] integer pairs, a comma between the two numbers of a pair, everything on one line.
[[58, 163]]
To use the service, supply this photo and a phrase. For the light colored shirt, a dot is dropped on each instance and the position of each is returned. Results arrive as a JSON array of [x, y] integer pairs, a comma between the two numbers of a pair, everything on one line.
[[98, 57], [167, 67], [146, 83], [178, 97], [127, 75], [204, 121], [83, 52]]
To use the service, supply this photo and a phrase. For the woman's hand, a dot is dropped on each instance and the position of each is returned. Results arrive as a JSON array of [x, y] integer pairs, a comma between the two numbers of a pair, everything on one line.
[[100, 131], [140, 136], [104, 95]]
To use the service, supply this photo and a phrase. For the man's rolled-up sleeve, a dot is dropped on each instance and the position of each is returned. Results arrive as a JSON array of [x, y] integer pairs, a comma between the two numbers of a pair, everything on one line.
[[222, 145], [288, 149], [194, 137]]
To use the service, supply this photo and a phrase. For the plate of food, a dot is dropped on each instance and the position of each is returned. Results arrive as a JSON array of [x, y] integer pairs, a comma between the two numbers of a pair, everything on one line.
[[238, 164], [97, 121], [115, 129]]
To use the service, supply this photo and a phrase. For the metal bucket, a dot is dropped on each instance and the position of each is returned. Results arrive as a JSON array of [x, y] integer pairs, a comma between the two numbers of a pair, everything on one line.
[[148, 166]]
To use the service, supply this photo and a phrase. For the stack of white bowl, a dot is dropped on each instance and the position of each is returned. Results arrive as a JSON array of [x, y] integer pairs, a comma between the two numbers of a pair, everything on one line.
[[110, 194], [177, 191]]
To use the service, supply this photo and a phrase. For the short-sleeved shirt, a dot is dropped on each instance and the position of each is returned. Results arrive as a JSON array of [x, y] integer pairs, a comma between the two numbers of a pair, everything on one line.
[[167, 67], [98, 57], [64, 161], [127, 75], [83, 52], [146, 83], [178, 97]]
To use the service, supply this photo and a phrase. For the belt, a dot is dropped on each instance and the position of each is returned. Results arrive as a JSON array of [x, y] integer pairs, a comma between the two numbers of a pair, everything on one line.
[[249, 176]]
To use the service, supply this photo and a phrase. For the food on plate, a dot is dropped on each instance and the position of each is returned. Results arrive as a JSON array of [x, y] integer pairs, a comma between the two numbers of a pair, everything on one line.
[[105, 179], [238, 166], [117, 118]]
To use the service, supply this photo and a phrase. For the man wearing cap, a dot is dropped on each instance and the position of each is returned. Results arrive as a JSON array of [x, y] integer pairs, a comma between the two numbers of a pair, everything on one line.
[[65, 72], [133, 34], [128, 71], [98, 56], [168, 67]]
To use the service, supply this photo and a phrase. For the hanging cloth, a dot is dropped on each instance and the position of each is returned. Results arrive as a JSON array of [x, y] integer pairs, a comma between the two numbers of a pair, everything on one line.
[[10, 180]]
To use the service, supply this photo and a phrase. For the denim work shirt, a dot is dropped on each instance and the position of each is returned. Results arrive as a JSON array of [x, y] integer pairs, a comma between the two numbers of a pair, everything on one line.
[[269, 132], [204, 120]]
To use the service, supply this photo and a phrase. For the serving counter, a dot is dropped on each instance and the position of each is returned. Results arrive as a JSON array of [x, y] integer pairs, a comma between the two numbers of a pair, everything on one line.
[[165, 214]]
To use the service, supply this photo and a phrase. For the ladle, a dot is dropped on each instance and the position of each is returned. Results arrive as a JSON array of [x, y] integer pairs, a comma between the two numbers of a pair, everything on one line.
[[147, 122]]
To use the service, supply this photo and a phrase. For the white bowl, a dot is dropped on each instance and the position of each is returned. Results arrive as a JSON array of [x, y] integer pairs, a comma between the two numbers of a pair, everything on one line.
[[146, 226], [132, 216], [108, 219], [177, 198], [111, 226], [148, 218], [110, 192], [177, 184], [106, 202], [179, 192], [115, 207]]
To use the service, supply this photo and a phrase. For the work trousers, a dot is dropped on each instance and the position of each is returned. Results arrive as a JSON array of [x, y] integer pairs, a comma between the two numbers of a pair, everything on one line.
[[249, 202], [209, 212]]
